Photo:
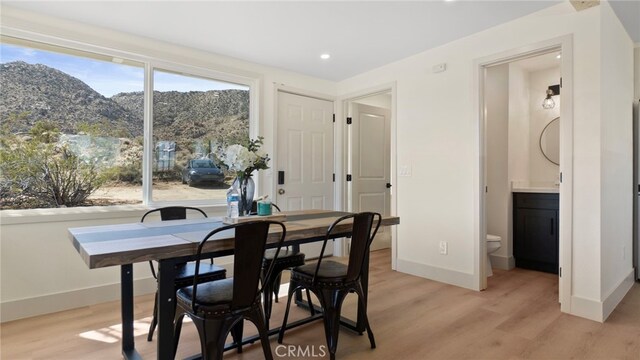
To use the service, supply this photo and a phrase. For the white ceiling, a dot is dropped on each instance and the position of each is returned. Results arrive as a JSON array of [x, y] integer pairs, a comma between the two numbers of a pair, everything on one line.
[[359, 35]]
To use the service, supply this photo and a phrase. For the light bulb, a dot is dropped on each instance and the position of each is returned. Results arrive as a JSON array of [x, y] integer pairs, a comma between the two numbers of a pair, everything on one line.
[[548, 102]]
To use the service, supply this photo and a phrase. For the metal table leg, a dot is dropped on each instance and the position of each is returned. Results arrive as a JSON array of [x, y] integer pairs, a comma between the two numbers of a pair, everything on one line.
[[126, 303], [166, 308]]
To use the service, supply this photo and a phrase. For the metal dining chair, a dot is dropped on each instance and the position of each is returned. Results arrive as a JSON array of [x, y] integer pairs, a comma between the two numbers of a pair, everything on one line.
[[184, 272], [331, 281], [219, 307], [287, 259]]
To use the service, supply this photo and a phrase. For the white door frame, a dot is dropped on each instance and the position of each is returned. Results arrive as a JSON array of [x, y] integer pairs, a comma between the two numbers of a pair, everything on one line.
[[565, 45], [341, 171]]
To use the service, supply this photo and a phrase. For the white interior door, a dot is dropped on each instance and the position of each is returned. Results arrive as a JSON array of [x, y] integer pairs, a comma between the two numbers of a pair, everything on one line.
[[305, 154], [371, 164]]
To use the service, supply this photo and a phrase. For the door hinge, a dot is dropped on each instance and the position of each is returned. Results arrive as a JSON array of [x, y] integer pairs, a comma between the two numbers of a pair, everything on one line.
[[348, 177], [560, 176], [349, 121], [334, 117], [334, 177], [486, 189], [560, 271], [560, 81]]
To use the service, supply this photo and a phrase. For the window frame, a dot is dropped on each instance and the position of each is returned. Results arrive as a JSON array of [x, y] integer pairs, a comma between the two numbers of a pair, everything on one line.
[[150, 64]]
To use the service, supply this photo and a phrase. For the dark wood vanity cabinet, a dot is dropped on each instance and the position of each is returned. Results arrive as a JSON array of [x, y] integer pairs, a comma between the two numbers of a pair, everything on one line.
[[535, 231]]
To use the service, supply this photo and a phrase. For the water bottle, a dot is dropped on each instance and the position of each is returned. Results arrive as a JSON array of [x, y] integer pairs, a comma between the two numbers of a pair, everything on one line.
[[233, 199]]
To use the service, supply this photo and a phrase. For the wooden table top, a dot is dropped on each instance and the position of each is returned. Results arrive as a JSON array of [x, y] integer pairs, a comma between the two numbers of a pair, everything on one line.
[[110, 245]]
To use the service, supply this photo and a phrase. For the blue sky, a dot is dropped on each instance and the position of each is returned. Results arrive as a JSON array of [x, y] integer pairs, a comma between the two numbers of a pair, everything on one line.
[[109, 78]]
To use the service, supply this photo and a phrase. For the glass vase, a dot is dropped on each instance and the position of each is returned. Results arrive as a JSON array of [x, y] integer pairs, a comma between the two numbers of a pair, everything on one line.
[[246, 187]]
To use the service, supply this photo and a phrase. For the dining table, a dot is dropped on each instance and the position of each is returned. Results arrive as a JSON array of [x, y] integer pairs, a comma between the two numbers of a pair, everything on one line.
[[174, 242]]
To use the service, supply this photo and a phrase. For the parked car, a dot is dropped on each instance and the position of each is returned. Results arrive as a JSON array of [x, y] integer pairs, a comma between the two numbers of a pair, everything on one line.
[[200, 171]]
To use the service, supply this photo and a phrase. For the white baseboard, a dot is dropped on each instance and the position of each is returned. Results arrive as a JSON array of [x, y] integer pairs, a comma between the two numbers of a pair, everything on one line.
[[600, 310], [23, 308], [452, 277], [614, 298], [586, 308], [502, 262]]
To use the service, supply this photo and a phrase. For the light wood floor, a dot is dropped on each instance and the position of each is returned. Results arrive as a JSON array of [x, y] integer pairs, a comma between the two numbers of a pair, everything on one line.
[[518, 317]]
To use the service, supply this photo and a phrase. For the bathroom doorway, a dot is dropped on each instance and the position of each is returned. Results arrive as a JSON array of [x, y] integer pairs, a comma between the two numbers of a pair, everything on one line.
[[525, 164]]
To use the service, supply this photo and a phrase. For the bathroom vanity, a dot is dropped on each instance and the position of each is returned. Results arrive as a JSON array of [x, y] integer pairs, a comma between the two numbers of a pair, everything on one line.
[[535, 228]]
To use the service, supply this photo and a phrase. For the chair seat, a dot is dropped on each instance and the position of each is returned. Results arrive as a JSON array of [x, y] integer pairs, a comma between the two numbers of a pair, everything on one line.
[[213, 296], [208, 272], [286, 258], [330, 272]]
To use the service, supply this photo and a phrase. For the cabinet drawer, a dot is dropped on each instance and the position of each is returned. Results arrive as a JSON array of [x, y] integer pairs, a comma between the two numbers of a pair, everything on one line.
[[536, 201]]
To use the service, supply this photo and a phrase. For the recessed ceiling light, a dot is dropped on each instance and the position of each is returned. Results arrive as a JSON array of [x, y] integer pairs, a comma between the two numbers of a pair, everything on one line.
[[325, 56], [558, 56]]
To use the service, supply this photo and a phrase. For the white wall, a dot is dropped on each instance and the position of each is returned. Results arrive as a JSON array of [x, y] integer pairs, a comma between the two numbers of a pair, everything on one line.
[[497, 138], [617, 159], [40, 270], [541, 169], [519, 117], [381, 101], [637, 71], [437, 114], [519, 139]]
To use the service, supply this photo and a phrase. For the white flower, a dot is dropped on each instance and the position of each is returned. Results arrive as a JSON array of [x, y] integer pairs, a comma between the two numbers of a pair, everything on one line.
[[238, 158], [241, 160]]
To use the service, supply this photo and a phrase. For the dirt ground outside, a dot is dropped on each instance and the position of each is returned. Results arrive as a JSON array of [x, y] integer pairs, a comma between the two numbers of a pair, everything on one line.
[[162, 191]]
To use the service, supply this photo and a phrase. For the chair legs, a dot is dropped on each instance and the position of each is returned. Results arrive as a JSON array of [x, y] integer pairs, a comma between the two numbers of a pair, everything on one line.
[[213, 333], [362, 308], [331, 301], [154, 320], [256, 316], [272, 286], [276, 285], [292, 289]]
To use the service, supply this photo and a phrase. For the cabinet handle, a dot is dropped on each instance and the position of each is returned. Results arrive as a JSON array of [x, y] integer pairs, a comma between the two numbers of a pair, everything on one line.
[[551, 226]]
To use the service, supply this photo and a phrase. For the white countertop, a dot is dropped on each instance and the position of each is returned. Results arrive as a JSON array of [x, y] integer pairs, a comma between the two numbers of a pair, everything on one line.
[[535, 187]]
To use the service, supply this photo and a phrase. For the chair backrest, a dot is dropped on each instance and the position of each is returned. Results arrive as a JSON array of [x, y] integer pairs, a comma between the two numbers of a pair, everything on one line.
[[173, 212], [249, 245], [170, 213], [362, 234]]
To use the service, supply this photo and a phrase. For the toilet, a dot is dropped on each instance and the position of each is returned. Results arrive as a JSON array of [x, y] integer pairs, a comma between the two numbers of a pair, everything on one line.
[[493, 244]]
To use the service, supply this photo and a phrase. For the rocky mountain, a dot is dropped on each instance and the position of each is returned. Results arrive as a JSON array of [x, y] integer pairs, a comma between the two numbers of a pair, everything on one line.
[[44, 93]]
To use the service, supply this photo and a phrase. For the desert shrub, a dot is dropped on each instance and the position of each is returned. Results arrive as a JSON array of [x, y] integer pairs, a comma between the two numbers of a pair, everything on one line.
[[129, 173], [37, 172]]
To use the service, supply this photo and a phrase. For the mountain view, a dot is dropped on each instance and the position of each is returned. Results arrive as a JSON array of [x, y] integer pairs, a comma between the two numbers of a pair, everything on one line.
[[52, 116], [44, 93]]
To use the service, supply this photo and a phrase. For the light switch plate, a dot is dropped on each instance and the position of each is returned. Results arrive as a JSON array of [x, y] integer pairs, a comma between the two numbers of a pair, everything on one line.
[[404, 170], [439, 68]]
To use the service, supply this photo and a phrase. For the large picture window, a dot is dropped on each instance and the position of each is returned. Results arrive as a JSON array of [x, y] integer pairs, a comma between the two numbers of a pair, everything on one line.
[[192, 117], [73, 134]]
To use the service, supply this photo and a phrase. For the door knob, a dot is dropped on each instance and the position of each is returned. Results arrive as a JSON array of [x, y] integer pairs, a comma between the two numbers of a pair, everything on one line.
[[388, 185], [281, 191]]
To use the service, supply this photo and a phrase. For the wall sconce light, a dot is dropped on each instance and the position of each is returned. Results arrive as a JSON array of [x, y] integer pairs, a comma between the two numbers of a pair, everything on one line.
[[548, 102]]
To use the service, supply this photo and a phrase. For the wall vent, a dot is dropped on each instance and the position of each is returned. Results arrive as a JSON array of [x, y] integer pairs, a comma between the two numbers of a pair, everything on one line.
[[580, 5]]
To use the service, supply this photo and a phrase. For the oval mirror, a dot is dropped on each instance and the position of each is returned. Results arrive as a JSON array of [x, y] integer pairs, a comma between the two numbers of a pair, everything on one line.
[[550, 141]]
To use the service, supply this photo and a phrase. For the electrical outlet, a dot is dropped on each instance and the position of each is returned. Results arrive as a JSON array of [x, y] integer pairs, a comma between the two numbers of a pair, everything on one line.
[[444, 248]]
